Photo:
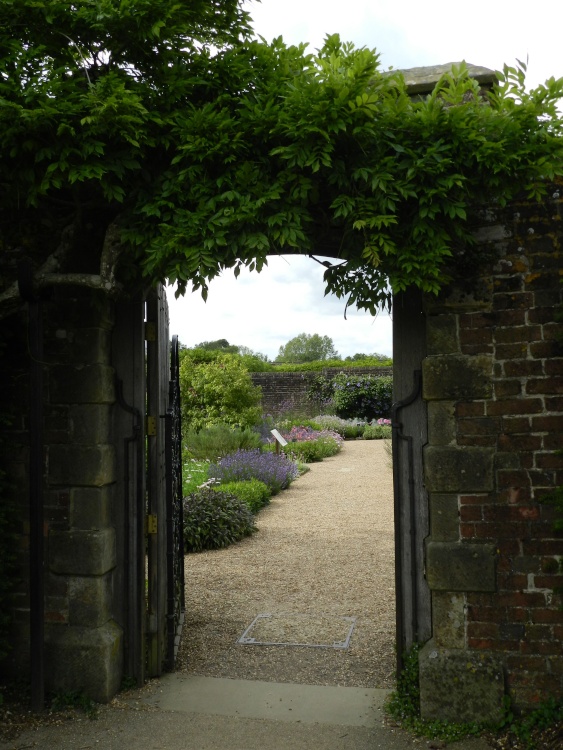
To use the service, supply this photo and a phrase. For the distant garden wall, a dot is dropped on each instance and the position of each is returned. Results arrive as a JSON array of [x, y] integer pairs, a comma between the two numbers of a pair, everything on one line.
[[287, 391]]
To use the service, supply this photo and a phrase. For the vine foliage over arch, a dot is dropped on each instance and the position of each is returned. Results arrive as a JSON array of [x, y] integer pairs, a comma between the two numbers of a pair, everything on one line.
[[149, 140]]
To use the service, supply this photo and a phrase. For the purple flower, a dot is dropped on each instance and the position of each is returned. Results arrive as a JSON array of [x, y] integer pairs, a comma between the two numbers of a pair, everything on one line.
[[275, 470]]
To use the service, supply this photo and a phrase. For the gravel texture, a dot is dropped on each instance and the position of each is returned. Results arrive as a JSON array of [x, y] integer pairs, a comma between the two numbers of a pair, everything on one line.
[[324, 549]]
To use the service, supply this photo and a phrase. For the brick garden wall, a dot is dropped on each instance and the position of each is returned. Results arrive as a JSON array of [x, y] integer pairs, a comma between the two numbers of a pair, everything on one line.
[[287, 391], [493, 381]]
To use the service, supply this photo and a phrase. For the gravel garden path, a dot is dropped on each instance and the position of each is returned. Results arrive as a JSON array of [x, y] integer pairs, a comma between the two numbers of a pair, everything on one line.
[[323, 554]]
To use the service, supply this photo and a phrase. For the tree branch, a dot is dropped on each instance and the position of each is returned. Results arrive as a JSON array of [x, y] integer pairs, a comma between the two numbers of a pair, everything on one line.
[[51, 274]]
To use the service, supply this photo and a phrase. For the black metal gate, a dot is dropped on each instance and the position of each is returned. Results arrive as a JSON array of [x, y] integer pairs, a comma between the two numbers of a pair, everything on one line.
[[174, 509]]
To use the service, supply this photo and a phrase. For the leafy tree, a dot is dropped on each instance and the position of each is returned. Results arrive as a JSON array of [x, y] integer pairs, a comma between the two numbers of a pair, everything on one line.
[[146, 140], [307, 348], [221, 345], [245, 351], [217, 392]]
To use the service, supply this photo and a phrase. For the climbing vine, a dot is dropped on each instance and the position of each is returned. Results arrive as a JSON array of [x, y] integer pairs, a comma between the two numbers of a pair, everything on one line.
[[177, 147]]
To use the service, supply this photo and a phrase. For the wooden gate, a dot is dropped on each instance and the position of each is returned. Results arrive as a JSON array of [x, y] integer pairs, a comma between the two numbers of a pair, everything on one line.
[[409, 424], [149, 591]]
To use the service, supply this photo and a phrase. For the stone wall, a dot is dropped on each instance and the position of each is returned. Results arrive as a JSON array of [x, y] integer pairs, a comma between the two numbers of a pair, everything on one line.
[[494, 388], [287, 391], [83, 644]]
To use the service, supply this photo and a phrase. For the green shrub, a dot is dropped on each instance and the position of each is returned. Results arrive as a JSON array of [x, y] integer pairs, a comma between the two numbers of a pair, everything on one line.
[[362, 396], [310, 451], [215, 519], [218, 391], [219, 440], [377, 432], [253, 492], [320, 391]]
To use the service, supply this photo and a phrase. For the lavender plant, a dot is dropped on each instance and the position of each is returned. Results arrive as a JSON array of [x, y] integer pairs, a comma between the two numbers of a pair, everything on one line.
[[275, 470]]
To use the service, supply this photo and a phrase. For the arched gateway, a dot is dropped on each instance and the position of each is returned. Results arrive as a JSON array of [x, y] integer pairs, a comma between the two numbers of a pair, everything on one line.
[[477, 428]]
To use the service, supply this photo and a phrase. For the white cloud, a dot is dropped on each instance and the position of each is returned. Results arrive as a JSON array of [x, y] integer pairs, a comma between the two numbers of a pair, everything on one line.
[[263, 311]]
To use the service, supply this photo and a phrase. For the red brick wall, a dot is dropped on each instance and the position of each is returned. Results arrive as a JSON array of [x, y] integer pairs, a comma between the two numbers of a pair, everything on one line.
[[510, 321]]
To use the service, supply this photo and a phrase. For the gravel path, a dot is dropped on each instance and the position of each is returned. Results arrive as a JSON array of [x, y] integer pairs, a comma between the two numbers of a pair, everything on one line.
[[324, 551]]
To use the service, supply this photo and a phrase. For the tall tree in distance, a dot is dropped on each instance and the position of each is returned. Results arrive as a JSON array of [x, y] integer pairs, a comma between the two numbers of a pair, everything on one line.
[[307, 348], [220, 345]]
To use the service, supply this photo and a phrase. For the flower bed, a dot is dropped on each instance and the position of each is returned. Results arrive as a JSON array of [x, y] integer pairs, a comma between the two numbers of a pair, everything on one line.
[[277, 471]]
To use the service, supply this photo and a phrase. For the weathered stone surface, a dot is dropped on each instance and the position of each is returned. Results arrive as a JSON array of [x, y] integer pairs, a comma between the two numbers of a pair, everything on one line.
[[441, 422], [81, 552], [90, 507], [450, 377], [460, 686], [444, 517], [81, 346], [90, 423], [81, 465], [441, 334], [451, 469], [89, 660], [89, 600], [452, 566], [81, 308], [448, 619], [474, 295], [91, 384], [424, 79]]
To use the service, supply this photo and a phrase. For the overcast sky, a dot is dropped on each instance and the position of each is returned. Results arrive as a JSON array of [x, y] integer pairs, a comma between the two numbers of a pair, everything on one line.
[[263, 311]]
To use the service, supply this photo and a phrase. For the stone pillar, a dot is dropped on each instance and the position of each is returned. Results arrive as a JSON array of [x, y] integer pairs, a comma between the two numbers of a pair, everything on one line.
[[83, 642], [455, 684]]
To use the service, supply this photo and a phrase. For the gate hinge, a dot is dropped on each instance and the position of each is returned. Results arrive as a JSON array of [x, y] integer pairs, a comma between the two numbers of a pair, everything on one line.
[[152, 524], [150, 331], [151, 426]]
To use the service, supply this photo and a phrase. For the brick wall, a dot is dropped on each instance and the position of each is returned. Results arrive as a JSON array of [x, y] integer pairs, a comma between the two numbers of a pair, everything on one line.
[[493, 381], [287, 391]]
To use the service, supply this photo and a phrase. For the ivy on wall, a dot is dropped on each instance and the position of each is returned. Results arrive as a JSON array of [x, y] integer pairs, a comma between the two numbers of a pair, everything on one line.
[[178, 146]]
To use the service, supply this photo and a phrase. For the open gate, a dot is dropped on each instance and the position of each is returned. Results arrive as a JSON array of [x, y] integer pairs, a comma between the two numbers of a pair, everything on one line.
[[149, 590]]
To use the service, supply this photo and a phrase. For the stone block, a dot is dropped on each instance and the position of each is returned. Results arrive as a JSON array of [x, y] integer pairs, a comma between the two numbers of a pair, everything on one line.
[[92, 465], [468, 296], [89, 600], [90, 507], [442, 335], [81, 552], [81, 308], [460, 686], [448, 619], [452, 566], [80, 346], [87, 660], [441, 422], [452, 469], [91, 384], [455, 378], [444, 517], [90, 423]]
